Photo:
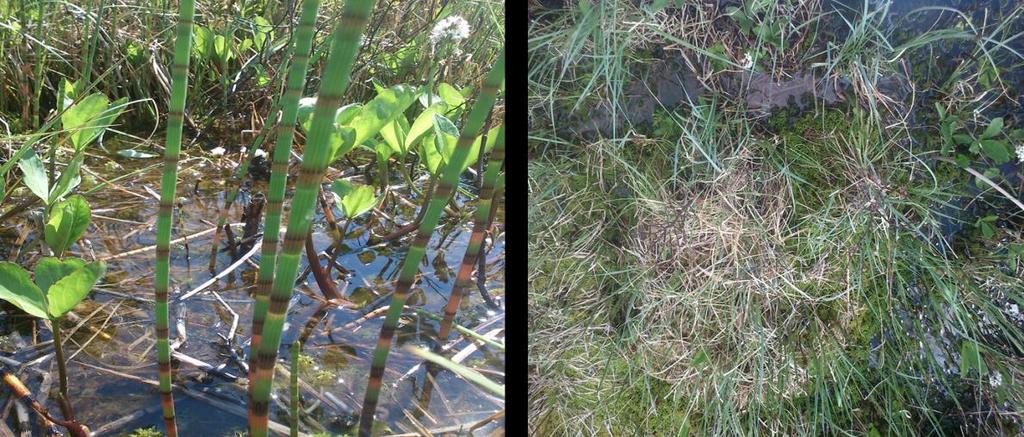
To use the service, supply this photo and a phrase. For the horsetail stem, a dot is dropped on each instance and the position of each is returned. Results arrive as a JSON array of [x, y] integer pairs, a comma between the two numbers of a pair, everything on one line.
[[175, 118], [480, 222], [316, 157], [289, 102], [410, 266]]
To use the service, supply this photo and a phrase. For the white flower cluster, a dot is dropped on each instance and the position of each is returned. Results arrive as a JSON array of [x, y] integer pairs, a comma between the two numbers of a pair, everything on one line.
[[1020, 153], [453, 28]]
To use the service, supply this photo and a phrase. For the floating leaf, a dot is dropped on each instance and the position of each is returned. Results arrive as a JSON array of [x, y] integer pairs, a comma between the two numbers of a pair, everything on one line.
[[35, 175], [68, 221], [67, 292], [18, 289], [355, 199]]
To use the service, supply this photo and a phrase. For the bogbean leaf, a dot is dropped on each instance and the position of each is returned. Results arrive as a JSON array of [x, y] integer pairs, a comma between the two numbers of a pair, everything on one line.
[[18, 289], [69, 179], [68, 221], [355, 199], [35, 175], [202, 43], [443, 127], [423, 124], [383, 151], [68, 291], [386, 107], [78, 119], [49, 270], [432, 159], [450, 95], [262, 31], [394, 135]]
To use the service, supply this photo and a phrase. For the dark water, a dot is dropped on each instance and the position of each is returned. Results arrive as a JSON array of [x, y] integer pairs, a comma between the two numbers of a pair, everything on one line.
[[119, 336]]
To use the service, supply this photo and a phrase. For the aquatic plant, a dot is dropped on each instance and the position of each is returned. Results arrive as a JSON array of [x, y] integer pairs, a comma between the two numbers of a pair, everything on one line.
[[481, 220], [317, 155], [289, 101], [410, 265], [168, 185], [58, 284]]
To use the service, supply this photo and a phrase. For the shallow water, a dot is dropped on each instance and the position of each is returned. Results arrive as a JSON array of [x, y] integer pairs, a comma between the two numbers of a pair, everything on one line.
[[119, 334]]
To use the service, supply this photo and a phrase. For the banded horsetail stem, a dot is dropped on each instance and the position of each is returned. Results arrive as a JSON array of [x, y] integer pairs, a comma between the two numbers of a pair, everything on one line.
[[175, 117], [481, 218], [410, 265], [289, 102], [234, 185], [316, 157]]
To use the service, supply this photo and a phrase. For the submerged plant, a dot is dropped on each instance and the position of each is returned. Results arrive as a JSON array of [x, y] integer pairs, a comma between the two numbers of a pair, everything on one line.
[[344, 46], [175, 119], [410, 265]]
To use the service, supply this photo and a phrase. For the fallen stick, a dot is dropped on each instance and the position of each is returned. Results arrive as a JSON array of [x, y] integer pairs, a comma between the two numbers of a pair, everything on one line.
[[153, 247]]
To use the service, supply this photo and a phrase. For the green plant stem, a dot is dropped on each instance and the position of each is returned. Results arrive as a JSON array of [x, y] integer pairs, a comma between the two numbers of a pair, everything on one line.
[[410, 265], [289, 103], [172, 151], [62, 371], [463, 280], [316, 157], [295, 390]]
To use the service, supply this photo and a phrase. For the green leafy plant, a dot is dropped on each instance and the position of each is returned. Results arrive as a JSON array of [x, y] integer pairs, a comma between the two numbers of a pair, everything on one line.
[[410, 265]]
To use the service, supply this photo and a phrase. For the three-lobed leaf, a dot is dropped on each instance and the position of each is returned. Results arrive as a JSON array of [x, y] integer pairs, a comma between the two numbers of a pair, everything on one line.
[[67, 223]]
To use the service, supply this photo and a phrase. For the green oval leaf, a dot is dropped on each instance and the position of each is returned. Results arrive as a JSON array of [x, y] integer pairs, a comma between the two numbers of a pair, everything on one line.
[[68, 221], [34, 175], [355, 199], [18, 289], [450, 95], [386, 107], [67, 292], [50, 270], [994, 128], [996, 150]]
